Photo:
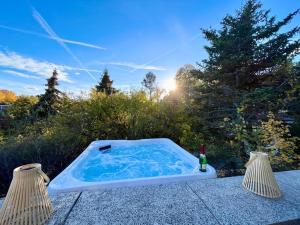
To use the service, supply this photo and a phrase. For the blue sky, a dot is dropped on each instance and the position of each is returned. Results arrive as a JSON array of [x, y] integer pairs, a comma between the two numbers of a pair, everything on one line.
[[130, 38]]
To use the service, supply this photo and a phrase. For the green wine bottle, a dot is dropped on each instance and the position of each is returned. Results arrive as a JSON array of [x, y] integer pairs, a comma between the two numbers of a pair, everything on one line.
[[202, 159]]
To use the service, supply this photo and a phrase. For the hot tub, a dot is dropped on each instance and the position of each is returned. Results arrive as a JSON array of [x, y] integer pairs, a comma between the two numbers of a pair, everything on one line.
[[129, 163]]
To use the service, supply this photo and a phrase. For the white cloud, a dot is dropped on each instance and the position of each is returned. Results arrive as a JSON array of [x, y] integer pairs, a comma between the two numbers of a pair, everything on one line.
[[80, 69], [44, 69], [19, 74], [43, 23], [133, 65], [49, 37]]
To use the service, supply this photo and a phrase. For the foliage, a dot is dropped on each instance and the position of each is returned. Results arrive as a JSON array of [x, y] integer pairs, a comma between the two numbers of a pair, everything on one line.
[[57, 140], [21, 108], [149, 83], [248, 72], [7, 97], [105, 85], [49, 102], [293, 103], [277, 141], [54, 151], [244, 55], [185, 83], [248, 47], [19, 113], [245, 97], [2, 138]]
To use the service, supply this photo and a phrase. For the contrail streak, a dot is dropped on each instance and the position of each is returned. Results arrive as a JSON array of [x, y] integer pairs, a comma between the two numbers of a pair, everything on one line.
[[43, 23], [52, 38]]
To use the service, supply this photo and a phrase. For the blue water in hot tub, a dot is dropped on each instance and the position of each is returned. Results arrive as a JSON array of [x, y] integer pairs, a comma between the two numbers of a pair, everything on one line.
[[133, 160]]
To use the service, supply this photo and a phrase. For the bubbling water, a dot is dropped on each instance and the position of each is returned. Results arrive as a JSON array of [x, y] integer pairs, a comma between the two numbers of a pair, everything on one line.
[[132, 160]]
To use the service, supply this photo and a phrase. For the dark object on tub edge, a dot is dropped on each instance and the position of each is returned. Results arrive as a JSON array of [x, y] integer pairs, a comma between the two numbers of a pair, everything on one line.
[[104, 147]]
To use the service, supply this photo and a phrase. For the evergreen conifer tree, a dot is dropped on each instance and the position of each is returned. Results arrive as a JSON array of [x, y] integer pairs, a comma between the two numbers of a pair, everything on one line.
[[248, 48], [245, 75], [49, 102], [105, 85], [245, 66]]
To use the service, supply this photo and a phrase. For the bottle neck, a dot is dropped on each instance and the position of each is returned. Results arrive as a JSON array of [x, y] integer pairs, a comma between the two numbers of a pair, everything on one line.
[[202, 149]]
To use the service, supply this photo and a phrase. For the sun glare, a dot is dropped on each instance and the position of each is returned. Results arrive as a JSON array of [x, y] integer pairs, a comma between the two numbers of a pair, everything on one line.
[[169, 84]]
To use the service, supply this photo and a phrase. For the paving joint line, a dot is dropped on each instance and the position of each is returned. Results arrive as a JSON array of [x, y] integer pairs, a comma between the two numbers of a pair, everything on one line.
[[69, 212], [204, 203]]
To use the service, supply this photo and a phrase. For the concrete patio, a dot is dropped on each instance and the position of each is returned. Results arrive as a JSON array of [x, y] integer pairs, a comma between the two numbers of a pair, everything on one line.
[[212, 201]]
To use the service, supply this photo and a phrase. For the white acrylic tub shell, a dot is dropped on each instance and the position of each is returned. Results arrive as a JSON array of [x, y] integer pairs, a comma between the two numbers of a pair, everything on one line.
[[66, 182]]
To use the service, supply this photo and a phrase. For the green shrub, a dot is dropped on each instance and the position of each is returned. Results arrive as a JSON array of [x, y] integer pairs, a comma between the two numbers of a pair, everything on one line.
[[56, 141]]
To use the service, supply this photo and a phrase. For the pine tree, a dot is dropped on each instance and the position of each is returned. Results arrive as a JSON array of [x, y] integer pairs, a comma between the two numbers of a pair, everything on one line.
[[244, 58], [248, 48], [105, 85], [49, 102]]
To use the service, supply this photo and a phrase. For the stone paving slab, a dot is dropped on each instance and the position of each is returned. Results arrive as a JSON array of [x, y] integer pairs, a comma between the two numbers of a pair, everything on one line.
[[232, 204], [291, 178], [155, 204], [289, 183], [211, 201], [62, 205]]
